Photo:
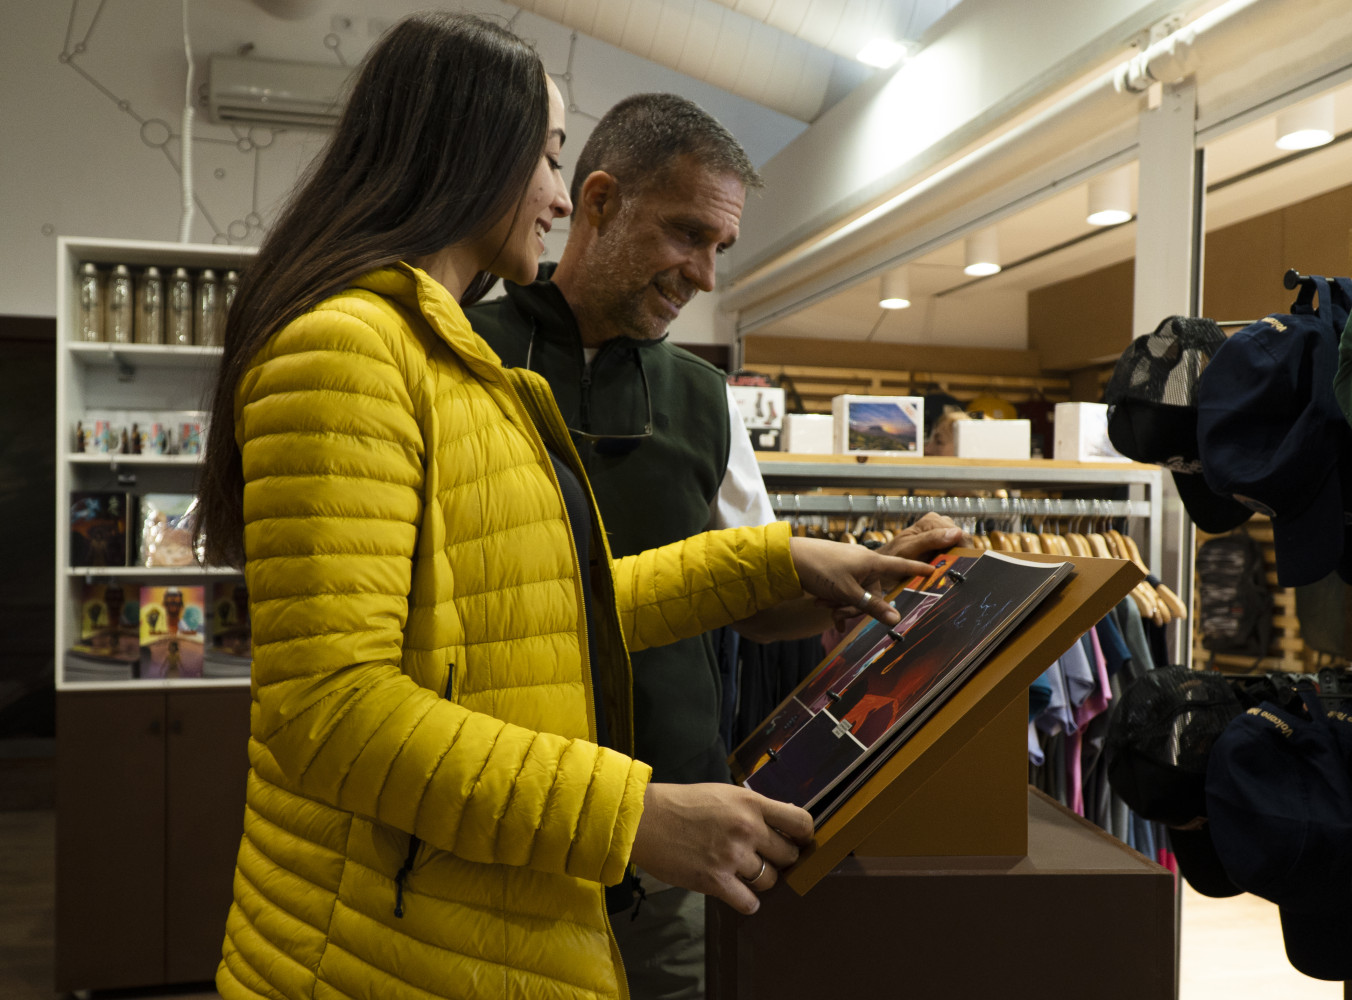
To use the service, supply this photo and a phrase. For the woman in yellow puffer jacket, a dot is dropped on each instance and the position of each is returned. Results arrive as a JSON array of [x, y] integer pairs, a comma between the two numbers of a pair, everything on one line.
[[440, 786]]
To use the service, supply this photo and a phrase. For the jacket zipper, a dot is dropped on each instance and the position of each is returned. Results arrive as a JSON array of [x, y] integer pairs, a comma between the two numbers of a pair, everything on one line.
[[413, 844]]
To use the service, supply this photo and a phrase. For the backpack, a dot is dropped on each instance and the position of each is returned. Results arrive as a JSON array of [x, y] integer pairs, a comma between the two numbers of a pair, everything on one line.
[[1233, 601]]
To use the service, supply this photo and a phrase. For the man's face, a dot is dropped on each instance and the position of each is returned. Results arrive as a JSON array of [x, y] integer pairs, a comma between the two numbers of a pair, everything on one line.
[[173, 602], [660, 249]]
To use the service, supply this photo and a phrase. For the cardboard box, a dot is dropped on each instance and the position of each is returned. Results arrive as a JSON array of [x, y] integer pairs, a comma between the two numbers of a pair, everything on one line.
[[809, 433], [879, 425], [762, 409], [1000, 439], [1082, 434]]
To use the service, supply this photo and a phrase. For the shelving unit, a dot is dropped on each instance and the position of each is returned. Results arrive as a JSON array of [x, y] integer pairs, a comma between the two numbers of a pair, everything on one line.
[[150, 773], [124, 377]]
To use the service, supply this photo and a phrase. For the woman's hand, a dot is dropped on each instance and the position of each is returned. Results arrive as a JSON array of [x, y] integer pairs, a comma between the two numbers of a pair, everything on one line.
[[852, 579], [721, 840]]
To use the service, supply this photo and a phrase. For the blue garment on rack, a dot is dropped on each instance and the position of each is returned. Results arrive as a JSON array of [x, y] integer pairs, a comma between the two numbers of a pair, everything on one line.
[[1115, 649]]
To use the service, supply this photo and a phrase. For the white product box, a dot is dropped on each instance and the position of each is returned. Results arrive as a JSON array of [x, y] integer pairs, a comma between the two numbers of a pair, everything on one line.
[[993, 438], [762, 409], [1082, 434], [809, 433], [879, 425]]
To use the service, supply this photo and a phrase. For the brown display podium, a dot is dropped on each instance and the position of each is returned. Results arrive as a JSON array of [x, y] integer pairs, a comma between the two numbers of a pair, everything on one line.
[[946, 876]]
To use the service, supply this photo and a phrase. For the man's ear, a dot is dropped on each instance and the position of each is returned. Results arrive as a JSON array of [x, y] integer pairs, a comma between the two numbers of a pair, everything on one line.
[[599, 198]]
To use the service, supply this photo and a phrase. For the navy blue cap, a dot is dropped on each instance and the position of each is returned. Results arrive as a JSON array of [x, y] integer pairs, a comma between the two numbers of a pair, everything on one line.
[[1279, 799], [1271, 434]]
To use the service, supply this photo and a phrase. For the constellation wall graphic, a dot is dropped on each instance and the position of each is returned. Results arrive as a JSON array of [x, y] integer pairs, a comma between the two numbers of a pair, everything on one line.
[[251, 142]]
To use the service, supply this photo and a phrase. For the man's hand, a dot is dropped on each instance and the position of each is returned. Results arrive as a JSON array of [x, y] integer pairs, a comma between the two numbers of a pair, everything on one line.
[[924, 539], [721, 840]]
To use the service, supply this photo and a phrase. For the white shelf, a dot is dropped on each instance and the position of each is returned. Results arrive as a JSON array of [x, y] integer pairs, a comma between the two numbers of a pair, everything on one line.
[[118, 460], [156, 684], [145, 572], [102, 355]]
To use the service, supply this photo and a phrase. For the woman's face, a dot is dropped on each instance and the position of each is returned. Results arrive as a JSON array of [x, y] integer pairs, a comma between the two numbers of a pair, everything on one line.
[[513, 246]]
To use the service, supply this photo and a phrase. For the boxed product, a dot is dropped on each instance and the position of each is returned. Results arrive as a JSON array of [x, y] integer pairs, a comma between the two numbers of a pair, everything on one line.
[[998, 439], [762, 407], [228, 614], [151, 433], [98, 529], [173, 621], [1081, 433], [879, 425], [190, 432], [809, 433], [164, 529], [109, 617]]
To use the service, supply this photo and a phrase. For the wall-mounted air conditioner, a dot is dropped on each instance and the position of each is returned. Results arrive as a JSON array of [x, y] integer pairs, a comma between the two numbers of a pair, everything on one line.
[[274, 92]]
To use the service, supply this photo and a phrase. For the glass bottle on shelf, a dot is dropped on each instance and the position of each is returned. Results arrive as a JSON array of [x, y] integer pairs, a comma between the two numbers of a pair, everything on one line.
[[178, 318], [89, 311], [150, 308], [121, 305], [229, 289], [207, 324]]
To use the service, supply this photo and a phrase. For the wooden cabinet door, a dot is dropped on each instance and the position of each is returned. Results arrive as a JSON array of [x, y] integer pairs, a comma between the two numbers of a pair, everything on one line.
[[110, 767], [208, 734]]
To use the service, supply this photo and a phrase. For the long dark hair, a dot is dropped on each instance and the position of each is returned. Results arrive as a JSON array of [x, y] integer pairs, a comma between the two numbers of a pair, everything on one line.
[[441, 135]]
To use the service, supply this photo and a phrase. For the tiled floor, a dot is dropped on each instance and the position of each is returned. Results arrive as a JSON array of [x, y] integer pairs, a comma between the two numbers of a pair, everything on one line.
[[1232, 948]]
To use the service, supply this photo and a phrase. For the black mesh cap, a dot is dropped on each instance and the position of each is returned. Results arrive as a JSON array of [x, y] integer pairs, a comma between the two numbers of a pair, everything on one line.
[[1165, 366], [1159, 740], [1152, 412]]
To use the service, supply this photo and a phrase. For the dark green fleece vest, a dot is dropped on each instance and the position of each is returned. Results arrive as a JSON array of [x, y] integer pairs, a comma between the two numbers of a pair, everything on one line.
[[650, 492]]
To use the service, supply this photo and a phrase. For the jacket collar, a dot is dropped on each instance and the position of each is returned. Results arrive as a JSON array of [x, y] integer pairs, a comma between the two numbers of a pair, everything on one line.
[[417, 291], [551, 318]]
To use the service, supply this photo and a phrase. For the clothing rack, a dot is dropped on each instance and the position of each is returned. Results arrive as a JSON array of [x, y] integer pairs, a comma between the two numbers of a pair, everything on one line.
[[883, 504]]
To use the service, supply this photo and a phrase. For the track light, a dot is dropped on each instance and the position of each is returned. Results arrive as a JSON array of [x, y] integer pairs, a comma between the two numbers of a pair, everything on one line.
[[1110, 198], [896, 289], [1306, 125], [982, 253]]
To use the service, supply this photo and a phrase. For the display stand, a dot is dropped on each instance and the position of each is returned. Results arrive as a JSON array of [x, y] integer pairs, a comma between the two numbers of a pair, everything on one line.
[[963, 882]]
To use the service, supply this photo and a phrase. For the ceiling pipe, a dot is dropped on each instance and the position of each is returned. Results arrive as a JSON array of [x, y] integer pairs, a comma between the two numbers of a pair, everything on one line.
[[842, 28], [710, 42], [1233, 34]]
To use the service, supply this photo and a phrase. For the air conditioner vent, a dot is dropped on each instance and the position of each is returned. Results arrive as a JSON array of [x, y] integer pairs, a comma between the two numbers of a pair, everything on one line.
[[275, 92]]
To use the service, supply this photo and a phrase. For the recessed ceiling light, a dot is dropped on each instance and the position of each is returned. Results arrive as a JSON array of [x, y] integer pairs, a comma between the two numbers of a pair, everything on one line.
[[982, 252], [1307, 125], [1110, 198], [896, 289], [882, 53]]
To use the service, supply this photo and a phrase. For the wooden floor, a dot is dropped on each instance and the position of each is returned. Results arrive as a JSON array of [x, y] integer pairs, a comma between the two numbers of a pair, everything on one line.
[[1232, 948]]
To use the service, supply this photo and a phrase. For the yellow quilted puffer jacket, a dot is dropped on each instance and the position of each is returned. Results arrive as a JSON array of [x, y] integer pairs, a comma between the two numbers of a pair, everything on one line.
[[428, 814]]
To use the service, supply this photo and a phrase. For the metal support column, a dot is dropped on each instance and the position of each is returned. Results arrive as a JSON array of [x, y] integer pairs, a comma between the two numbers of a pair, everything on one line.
[[1170, 206]]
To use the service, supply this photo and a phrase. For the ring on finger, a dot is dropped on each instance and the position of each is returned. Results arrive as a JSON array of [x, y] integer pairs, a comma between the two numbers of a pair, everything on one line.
[[867, 597], [757, 877]]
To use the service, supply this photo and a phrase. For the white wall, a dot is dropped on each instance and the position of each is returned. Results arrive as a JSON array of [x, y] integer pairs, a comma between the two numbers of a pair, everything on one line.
[[73, 160], [987, 60]]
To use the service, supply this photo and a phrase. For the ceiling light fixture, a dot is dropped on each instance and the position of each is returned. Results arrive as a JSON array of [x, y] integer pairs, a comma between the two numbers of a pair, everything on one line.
[[882, 53], [896, 289], [982, 251], [1306, 125], [1110, 198]]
